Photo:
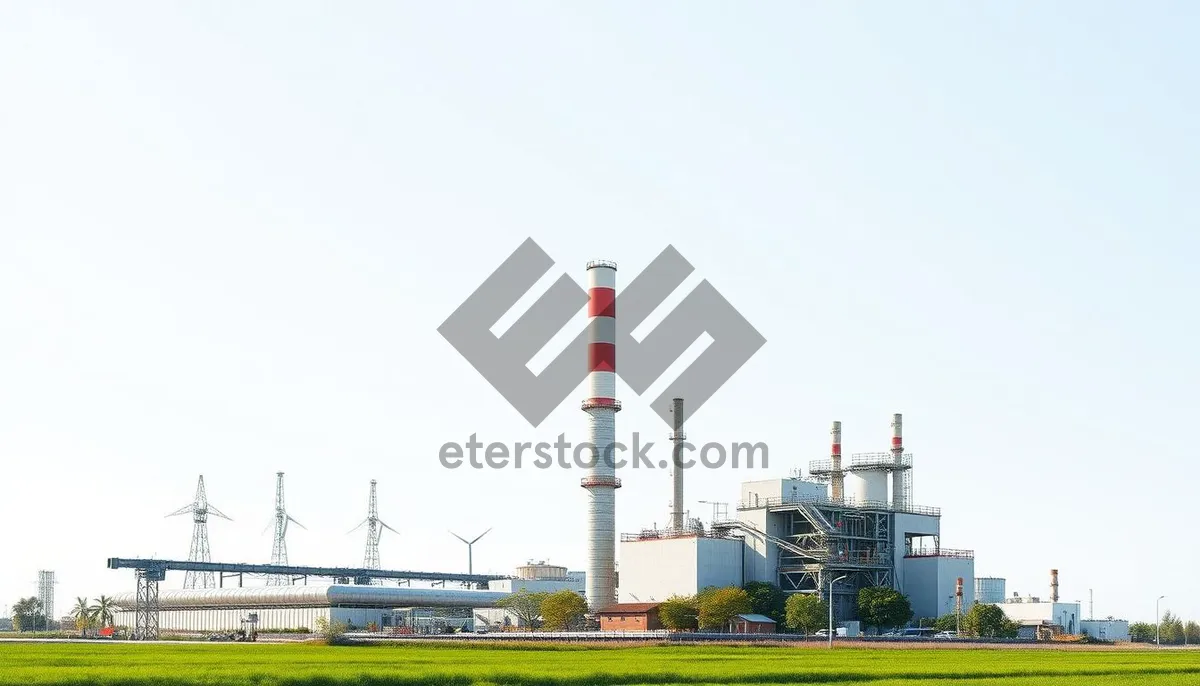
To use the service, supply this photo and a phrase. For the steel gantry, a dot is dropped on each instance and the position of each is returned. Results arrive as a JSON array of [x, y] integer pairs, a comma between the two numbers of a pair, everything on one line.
[[150, 572]]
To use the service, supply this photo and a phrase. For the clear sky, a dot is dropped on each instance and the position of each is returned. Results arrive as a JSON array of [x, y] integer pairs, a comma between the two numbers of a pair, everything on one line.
[[228, 235]]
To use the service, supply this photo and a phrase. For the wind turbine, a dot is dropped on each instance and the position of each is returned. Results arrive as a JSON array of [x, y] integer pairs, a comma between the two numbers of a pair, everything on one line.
[[470, 560], [375, 527]]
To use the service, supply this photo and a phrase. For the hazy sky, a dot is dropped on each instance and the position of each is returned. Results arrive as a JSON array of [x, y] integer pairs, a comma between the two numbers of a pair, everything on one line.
[[228, 234]]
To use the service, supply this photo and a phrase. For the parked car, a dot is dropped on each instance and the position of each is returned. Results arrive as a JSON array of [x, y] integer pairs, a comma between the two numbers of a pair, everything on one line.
[[946, 634], [824, 633]]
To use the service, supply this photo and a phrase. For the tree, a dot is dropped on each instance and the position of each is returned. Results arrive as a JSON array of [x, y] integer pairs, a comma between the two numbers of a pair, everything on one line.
[[27, 614], [883, 607], [102, 611], [563, 610], [766, 599], [678, 613], [525, 605], [1141, 632], [947, 622], [716, 608], [1192, 632], [988, 621], [1170, 629], [333, 633], [806, 612], [82, 614]]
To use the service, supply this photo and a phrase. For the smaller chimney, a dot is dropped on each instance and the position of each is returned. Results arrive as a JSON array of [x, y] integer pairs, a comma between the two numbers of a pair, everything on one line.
[[898, 499], [838, 483], [1054, 585], [677, 439], [958, 602]]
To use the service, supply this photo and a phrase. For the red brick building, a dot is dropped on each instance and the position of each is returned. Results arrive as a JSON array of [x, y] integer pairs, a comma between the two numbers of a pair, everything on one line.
[[630, 617]]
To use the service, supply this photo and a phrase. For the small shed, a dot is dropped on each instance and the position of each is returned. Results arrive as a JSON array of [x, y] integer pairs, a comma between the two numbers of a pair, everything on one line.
[[752, 624], [630, 617]]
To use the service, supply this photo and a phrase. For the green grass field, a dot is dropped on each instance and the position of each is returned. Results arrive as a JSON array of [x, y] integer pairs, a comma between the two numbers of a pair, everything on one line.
[[267, 665]]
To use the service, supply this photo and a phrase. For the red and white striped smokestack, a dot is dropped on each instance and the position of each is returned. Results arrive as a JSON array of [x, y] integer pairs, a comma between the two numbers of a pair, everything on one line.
[[898, 499], [601, 407], [837, 478]]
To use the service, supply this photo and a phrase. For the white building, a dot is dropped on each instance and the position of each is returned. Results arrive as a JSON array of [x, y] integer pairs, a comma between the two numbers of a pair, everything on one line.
[[654, 569], [931, 582]]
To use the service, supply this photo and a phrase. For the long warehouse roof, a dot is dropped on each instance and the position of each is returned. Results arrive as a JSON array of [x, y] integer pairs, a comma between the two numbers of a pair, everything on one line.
[[315, 596]]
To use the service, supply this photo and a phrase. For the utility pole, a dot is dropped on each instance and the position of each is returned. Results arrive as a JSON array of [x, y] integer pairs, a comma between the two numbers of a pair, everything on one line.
[[831, 631], [1157, 621]]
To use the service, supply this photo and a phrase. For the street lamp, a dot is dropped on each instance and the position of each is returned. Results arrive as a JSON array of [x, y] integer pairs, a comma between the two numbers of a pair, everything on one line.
[[1157, 620], [831, 583]]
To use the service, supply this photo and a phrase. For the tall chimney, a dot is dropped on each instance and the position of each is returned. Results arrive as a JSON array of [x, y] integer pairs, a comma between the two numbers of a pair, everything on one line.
[[1054, 585], [677, 439], [601, 407], [898, 499], [838, 483]]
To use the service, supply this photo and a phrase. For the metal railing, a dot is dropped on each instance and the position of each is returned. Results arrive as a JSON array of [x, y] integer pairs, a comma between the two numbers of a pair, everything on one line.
[[860, 462], [685, 532], [941, 552], [843, 502]]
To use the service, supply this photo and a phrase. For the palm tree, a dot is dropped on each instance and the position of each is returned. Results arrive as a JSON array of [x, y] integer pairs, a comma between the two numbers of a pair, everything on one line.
[[102, 611], [82, 614]]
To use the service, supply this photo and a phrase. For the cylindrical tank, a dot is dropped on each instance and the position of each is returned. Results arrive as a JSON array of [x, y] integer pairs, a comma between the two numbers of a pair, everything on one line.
[[989, 589], [541, 570], [867, 487]]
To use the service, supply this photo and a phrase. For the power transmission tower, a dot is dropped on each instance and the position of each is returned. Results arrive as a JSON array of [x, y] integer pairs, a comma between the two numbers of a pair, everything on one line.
[[279, 554], [375, 527], [199, 508]]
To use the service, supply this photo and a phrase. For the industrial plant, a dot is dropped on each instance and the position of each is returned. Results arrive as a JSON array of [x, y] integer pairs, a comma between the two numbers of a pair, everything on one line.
[[851, 523]]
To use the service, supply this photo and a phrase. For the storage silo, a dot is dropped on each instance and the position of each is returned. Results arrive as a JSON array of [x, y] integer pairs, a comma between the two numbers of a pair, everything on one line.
[[989, 589]]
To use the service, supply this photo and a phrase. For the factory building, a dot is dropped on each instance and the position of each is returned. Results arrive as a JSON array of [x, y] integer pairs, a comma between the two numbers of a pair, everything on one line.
[[1105, 629], [295, 607], [1039, 617], [853, 521], [1032, 612]]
